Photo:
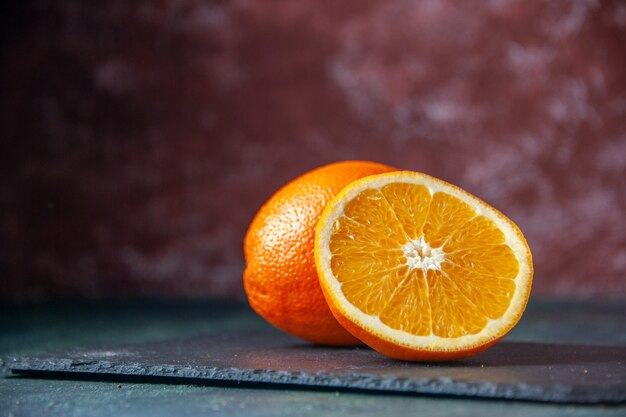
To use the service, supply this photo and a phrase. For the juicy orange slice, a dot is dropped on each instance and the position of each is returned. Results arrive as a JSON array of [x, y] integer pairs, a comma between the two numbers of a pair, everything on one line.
[[419, 269]]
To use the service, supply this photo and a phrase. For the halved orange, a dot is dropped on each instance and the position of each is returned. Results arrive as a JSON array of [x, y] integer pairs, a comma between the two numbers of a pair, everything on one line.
[[419, 269]]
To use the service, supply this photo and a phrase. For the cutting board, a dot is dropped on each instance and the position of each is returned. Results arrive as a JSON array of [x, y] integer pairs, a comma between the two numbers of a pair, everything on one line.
[[509, 370]]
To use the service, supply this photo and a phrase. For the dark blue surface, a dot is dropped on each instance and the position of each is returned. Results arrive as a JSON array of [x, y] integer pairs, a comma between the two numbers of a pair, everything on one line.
[[27, 330]]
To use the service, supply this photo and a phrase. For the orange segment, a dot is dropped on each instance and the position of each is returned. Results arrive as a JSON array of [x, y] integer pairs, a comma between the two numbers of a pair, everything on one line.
[[496, 260], [446, 215], [492, 295], [406, 201], [369, 292], [408, 307], [352, 266], [419, 269], [478, 232], [453, 314], [367, 226]]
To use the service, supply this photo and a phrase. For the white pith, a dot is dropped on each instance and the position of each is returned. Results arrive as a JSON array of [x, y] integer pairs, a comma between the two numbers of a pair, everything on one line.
[[419, 254], [425, 257]]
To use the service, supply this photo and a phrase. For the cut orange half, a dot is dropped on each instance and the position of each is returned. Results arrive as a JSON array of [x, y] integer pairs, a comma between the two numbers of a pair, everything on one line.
[[419, 269]]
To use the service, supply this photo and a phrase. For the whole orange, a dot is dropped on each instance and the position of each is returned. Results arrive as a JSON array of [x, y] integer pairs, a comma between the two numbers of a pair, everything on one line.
[[280, 278]]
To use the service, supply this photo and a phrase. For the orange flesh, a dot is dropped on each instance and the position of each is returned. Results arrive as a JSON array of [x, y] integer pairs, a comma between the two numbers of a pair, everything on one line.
[[464, 277]]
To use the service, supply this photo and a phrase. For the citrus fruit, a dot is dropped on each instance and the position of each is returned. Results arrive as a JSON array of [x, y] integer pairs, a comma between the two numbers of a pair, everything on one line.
[[419, 269], [280, 278]]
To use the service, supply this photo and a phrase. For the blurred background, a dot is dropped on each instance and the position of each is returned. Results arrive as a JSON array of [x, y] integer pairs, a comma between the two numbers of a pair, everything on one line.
[[140, 138]]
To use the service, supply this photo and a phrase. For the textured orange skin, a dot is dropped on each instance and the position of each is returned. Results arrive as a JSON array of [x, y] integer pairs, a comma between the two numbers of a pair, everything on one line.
[[280, 278]]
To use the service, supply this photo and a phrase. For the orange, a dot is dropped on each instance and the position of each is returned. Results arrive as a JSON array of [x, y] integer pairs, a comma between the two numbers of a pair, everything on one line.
[[280, 279], [419, 269]]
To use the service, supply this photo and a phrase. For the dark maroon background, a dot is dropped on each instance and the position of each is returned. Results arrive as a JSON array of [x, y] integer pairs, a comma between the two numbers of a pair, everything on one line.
[[140, 137]]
